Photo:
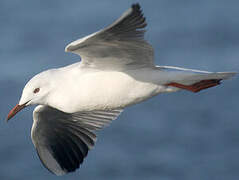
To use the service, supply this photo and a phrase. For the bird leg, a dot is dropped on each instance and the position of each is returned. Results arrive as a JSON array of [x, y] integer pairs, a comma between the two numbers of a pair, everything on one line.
[[196, 87]]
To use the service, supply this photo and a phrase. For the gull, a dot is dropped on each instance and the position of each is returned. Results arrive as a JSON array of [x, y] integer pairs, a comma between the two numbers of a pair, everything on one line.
[[116, 70]]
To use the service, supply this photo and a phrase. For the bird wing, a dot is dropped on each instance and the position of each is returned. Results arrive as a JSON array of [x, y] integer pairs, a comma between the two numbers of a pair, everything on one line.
[[120, 45], [62, 140]]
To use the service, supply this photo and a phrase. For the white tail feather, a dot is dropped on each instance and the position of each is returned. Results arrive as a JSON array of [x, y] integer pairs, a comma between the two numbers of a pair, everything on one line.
[[191, 76]]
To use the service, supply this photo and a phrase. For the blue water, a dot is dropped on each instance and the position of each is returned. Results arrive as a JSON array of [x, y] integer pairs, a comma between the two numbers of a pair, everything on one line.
[[181, 136]]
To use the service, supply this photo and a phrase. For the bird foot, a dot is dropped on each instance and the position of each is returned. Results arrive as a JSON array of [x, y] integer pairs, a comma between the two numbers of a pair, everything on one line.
[[196, 87]]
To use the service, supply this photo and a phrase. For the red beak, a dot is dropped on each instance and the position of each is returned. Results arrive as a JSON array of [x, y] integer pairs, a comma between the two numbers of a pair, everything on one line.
[[15, 110]]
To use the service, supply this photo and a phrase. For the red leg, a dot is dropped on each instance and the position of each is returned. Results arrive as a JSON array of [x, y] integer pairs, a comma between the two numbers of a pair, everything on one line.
[[196, 87]]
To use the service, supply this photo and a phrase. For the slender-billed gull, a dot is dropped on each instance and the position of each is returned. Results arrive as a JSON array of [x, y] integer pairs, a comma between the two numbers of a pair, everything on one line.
[[116, 70]]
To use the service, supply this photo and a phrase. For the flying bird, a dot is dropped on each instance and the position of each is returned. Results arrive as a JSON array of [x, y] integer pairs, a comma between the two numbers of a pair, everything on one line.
[[116, 70]]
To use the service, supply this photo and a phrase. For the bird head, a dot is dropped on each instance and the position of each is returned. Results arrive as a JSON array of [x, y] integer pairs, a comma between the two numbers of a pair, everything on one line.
[[34, 92]]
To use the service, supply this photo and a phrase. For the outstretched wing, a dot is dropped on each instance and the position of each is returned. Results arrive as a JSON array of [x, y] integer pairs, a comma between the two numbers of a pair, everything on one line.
[[121, 45], [62, 140]]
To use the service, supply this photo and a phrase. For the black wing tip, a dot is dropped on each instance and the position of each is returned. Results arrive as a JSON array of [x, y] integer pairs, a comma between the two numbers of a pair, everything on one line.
[[67, 160], [137, 9], [136, 6]]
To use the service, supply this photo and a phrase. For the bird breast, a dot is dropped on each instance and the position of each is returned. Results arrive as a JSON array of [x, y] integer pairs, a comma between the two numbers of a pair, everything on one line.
[[99, 90]]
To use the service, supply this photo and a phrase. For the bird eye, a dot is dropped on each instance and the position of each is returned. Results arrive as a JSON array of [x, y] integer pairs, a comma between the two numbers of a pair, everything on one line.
[[36, 90]]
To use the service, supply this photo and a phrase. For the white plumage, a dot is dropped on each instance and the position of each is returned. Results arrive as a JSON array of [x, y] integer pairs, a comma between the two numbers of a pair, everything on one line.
[[117, 70]]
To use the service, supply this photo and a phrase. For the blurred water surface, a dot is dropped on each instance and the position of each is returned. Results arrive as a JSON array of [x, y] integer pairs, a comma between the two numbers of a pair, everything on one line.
[[181, 136]]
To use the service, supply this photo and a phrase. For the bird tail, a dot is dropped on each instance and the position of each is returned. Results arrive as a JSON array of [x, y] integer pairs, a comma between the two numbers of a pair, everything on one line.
[[194, 80]]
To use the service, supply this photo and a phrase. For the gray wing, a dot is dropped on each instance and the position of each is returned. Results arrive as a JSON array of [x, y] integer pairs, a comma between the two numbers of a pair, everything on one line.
[[121, 45], [62, 140]]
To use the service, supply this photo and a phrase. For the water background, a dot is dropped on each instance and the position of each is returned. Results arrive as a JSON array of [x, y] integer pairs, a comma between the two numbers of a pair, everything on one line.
[[178, 136]]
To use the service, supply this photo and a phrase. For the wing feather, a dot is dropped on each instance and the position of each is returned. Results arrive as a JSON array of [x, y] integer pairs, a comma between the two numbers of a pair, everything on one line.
[[120, 45], [62, 140]]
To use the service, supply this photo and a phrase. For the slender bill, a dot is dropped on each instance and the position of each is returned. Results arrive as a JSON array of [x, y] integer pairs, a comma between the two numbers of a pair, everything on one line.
[[15, 110]]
